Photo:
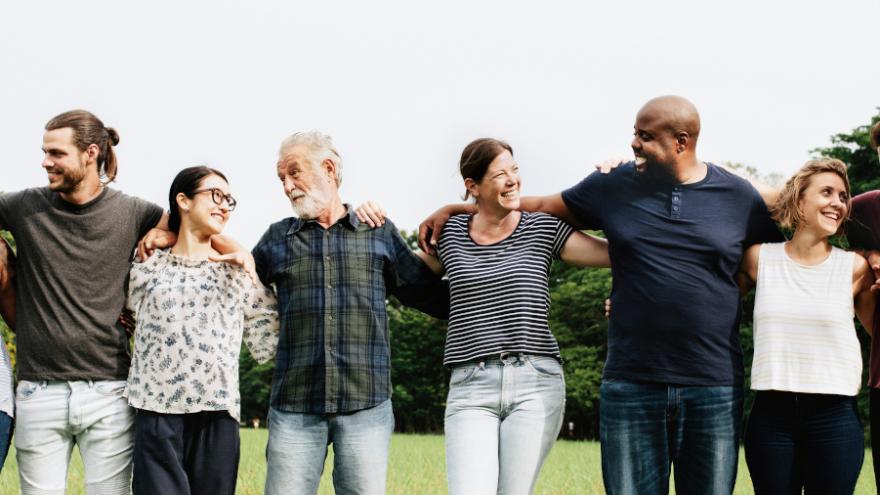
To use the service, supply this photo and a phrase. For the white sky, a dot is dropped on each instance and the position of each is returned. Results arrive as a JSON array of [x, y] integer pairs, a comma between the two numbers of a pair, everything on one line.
[[403, 86]]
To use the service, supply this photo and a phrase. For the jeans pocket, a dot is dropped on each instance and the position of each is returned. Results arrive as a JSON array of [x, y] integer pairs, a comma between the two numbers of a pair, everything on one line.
[[462, 374], [544, 365], [110, 388], [26, 390]]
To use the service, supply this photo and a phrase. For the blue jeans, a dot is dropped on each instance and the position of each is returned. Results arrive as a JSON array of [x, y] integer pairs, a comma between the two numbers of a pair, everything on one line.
[[54, 416], [646, 428], [502, 419], [7, 424], [798, 441], [298, 446]]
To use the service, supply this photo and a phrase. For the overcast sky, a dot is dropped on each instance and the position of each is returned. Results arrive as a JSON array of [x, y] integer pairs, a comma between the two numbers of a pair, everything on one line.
[[403, 86]]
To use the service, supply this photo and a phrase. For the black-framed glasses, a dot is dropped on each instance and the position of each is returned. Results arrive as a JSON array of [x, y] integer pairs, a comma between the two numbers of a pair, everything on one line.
[[219, 197]]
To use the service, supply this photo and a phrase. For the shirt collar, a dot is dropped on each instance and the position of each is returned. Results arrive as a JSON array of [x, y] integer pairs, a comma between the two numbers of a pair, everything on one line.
[[349, 220]]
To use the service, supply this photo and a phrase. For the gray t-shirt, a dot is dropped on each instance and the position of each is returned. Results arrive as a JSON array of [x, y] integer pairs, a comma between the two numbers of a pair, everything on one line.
[[73, 263]]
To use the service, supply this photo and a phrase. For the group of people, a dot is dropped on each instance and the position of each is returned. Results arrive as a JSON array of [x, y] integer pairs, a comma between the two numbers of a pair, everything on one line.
[[684, 238]]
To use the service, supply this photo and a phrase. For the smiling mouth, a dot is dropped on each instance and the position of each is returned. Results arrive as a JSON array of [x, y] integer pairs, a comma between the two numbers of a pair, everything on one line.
[[510, 194], [833, 216], [640, 161]]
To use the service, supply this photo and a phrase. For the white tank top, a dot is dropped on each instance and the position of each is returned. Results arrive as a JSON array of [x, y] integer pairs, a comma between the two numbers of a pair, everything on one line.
[[805, 339]]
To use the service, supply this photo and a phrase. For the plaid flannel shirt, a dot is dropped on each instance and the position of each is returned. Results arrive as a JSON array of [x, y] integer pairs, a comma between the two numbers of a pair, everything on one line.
[[333, 354]]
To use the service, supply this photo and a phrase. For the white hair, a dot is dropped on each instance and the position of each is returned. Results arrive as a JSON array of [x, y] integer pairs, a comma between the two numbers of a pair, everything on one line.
[[320, 146]]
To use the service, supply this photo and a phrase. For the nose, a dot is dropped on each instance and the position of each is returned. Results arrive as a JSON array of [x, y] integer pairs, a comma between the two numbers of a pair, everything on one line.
[[635, 145], [289, 186], [46, 162]]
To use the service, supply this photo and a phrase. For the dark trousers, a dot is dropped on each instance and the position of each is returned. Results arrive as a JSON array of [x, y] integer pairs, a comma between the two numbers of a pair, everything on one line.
[[7, 425], [185, 454], [809, 441], [875, 434]]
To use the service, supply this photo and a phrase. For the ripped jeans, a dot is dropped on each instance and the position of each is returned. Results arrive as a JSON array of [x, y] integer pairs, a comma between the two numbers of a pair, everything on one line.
[[502, 418]]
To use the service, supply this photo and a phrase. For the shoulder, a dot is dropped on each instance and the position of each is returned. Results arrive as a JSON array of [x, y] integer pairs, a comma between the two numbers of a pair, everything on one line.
[[278, 229], [861, 268], [116, 198], [721, 175], [26, 195]]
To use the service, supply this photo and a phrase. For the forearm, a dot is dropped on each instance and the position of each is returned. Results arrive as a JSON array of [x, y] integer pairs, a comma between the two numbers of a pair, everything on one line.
[[552, 205]]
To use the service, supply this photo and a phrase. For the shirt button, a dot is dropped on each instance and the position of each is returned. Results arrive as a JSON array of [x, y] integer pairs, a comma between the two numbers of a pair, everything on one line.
[[330, 317], [675, 199], [329, 286], [326, 258], [674, 208]]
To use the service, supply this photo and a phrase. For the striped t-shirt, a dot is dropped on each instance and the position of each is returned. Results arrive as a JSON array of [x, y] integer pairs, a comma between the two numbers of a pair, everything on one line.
[[499, 299], [805, 340]]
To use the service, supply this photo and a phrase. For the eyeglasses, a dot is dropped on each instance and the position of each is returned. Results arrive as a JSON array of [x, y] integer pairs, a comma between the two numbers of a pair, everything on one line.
[[219, 197]]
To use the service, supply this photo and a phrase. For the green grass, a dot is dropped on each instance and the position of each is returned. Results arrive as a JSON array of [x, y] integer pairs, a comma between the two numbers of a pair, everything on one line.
[[417, 466]]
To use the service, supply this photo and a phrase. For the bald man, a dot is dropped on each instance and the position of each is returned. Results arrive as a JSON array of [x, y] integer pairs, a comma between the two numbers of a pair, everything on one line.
[[671, 394]]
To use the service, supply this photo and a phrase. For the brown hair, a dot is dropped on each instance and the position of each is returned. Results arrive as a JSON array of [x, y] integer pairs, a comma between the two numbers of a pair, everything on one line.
[[476, 157], [786, 210], [875, 135], [88, 130]]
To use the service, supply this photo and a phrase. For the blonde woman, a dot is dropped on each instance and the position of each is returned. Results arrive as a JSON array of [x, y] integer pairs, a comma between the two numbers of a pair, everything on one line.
[[804, 431]]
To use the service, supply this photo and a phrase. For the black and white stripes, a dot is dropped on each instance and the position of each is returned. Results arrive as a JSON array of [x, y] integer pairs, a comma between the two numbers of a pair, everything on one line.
[[498, 293]]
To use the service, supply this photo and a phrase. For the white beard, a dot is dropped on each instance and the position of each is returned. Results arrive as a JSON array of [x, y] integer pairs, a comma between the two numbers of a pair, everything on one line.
[[308, 206]]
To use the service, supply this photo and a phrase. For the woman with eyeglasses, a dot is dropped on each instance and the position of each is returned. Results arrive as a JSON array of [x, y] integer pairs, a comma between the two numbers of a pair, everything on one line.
[[192, 313]]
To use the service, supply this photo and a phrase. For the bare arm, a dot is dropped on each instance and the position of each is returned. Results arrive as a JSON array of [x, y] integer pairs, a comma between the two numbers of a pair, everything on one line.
[[585, 250], [432, 261], [7, 284], [863, 299], [747, 276]]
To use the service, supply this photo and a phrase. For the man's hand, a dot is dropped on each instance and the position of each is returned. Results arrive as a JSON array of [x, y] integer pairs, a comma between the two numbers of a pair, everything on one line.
[[608, 309], [243, 259], [610, 164], [874, 262], [371, 213], [155, 239]]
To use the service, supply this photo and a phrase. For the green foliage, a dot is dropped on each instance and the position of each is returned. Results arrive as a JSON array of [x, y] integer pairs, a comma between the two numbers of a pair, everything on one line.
[[854, 148], [255, 386]]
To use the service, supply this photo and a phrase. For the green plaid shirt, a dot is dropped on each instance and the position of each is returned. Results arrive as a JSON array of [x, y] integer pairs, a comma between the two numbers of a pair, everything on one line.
[[333, 354]]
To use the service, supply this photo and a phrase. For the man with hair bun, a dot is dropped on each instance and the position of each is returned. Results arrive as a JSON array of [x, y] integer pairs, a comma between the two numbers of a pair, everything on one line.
[[75, 239], [863, 231]]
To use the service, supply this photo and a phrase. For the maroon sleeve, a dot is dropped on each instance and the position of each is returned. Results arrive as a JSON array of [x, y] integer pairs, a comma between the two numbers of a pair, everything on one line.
[[863, 229]]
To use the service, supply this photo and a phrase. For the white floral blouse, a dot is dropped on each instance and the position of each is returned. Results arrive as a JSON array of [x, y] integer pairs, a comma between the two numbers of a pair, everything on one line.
[[191, 316]]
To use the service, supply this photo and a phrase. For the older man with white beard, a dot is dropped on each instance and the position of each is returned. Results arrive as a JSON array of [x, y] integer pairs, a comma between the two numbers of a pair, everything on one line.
[[332, 380]]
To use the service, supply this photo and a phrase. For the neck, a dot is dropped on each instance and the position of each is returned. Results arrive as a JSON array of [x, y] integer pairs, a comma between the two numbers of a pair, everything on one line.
[[808, 247], [689, 170], [191, 244], [88, 189], [332, 213], [493, 223]]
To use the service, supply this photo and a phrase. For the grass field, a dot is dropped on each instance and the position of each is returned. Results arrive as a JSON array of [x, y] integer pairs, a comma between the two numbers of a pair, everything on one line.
[[417, 467]]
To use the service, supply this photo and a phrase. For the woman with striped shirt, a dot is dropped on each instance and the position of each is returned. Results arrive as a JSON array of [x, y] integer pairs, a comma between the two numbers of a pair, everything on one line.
[[804, 431], [507, 391]]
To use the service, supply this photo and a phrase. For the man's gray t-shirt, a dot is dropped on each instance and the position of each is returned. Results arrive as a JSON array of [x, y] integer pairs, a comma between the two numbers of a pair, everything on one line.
[[72, 268]]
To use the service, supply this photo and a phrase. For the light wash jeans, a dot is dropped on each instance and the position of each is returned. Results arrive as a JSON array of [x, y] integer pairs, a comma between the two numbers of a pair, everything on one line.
[[502, 419], [644, 428], [53, 416], [298, 446]]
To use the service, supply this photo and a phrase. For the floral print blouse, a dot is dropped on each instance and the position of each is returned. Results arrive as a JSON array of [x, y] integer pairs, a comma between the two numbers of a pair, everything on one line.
[[191, 317]]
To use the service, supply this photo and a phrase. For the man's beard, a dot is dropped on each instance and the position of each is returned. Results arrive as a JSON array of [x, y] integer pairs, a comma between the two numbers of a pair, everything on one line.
[[70, 180], [308, 206]]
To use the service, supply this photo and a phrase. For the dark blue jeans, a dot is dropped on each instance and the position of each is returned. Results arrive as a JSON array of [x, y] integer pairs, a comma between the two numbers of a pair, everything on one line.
[[7, 424], [645, 429], [798, 441]]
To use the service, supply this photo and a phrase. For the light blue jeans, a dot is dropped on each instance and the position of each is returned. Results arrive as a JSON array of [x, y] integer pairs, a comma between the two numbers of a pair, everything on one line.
[[53, 416], [298, 446], [502, 418]]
